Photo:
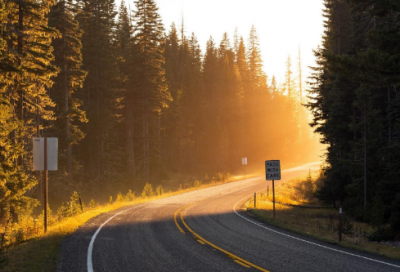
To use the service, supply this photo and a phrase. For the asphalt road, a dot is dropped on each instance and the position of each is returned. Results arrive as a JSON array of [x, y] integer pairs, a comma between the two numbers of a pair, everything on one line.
[[210, 233]]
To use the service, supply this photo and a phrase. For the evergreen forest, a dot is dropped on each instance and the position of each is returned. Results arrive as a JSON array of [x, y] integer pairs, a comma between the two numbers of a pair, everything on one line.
[[355, 102], [132, 102]]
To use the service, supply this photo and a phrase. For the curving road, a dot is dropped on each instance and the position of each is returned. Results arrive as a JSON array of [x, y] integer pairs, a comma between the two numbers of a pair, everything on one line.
[[204, 231]]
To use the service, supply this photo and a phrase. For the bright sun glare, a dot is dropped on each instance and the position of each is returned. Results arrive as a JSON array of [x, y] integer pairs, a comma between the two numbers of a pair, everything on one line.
[[282, 25]]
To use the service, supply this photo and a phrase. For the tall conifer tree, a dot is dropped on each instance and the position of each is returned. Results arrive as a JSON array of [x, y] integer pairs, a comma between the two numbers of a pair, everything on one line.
[[123, 42], [101, 149], [147, 80], [68, 83], [27, 58]]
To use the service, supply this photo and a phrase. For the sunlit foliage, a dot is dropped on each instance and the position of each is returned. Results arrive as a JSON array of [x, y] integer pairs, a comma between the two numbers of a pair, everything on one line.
[[134, 105]]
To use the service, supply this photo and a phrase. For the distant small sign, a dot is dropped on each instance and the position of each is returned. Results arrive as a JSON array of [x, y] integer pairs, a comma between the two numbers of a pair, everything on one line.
[[273, 170], [244, 161]]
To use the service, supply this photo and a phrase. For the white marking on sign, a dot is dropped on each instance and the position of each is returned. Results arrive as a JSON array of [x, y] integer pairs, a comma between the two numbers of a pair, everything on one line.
[[244, 161], [273, 170]]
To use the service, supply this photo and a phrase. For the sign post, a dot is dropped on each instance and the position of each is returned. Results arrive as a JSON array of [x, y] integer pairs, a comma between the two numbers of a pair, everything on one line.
[[273, 172], [340, 224], [45, 151], [46, 196]]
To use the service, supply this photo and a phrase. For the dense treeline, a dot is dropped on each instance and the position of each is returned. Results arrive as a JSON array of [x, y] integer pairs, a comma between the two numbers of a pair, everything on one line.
[[355, 103], [132, 103]]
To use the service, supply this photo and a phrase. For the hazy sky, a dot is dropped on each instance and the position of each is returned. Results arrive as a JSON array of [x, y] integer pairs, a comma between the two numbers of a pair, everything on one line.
[[282, 26]]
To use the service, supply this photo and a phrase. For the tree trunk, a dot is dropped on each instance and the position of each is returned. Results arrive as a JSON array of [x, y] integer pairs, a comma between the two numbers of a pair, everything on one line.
[[146, 145], [389, 119], [129, 140], [365, 162]]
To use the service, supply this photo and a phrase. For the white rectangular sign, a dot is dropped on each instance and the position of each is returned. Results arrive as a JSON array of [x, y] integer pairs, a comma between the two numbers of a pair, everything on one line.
[[244, 161], [273, 170], [38, 154]]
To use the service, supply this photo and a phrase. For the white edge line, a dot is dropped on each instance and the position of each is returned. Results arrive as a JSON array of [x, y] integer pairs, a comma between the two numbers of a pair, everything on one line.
[[90, 248], [312, 243]]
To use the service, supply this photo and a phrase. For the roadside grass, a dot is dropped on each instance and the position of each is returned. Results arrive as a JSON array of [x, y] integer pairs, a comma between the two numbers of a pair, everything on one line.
[[298, 191], [322, 223], [40, 252]]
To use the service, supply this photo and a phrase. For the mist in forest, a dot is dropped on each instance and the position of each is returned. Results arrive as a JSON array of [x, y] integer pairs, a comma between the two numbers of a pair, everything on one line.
[[132, 101]]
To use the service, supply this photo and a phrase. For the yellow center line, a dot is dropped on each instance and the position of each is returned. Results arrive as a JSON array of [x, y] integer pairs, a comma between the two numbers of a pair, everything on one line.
[[237, 259], [176, 221], [242, 264]]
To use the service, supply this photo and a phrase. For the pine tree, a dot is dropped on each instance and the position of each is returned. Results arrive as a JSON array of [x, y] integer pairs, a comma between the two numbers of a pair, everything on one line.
[[65, 91], [243, 69], [352, 103], [123, 37], [102, 148], [14, 181], [147, 80], [212, 85], [25, 78], [255, 92], [29, 44], [191, 103], [210, 74], [274, 87], [172, 121], [300, 78], [242, 61], [289, 80], [172, 61], [256, 75], [376, 75]]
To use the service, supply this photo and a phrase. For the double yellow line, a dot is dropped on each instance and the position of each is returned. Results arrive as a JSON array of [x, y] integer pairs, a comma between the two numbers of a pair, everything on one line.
[[203, 241]]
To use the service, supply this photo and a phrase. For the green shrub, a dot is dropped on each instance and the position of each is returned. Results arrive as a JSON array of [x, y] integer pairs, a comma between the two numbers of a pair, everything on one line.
[[68, 209], [394, 219], [220, 176], [62, 211], [382, 233], [119, 198], [92, 204], [147, 190], [223, 176], [347, 225], [160, 190], [130, 196]]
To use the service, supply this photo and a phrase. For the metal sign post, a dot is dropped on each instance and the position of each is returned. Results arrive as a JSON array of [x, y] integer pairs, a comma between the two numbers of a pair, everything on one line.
[[45, 158], [273, 172], [340, 224], [273, 196], [46, 196]]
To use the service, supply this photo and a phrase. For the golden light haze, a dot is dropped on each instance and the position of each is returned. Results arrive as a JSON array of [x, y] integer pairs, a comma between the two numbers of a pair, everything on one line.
[[282, 25]]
